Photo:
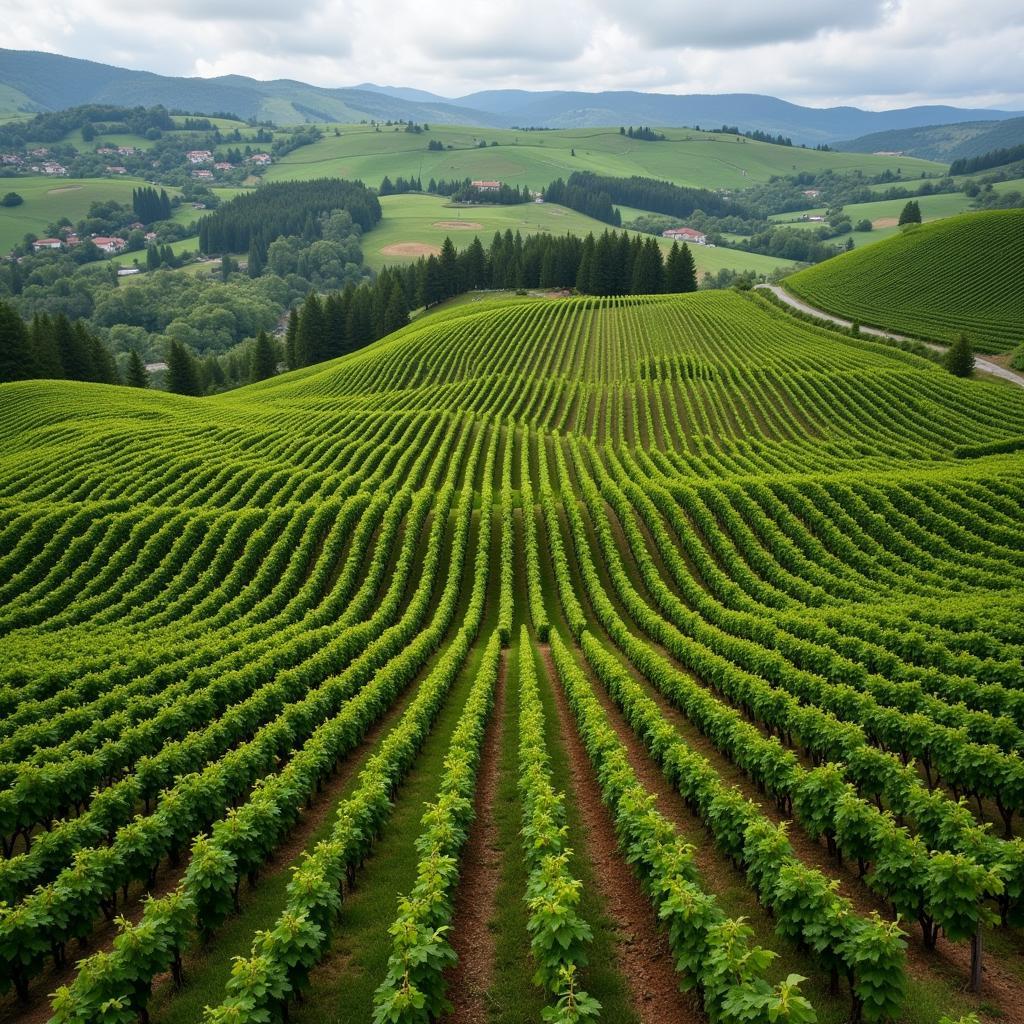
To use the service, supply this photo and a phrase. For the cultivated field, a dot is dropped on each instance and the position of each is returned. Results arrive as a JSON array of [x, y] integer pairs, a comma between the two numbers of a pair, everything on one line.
[[963, 274], [618, 640], [537, 158]]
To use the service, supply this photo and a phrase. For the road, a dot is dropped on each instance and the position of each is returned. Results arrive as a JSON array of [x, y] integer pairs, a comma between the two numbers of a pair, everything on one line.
[[984, 365]]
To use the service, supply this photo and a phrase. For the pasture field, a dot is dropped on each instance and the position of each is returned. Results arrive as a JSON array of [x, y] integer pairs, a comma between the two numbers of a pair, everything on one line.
[[48, 199], [545, 652], [536, 158], [962, 274], [414, 225]]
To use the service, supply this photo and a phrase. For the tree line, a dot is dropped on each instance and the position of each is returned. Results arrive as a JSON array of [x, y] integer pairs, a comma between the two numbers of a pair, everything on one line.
[[650, 194], [150, 205], [993, 158], [55, 348], [285, 208]]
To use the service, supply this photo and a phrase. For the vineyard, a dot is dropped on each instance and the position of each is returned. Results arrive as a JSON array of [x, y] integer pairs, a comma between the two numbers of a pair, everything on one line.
[[631, 659], [963, 274]]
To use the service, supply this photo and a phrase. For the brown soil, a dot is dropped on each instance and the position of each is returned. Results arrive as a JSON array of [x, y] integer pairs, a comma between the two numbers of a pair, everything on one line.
[[458, 225], [885, 222], [66, 188], [476, 899], [410, 249], [642, 951]]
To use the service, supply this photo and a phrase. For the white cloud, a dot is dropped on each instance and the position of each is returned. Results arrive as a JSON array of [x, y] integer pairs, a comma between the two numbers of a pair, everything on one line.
[[876, 53]]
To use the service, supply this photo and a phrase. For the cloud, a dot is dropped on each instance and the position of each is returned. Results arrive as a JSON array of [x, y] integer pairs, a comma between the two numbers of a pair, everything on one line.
[[877, 53]]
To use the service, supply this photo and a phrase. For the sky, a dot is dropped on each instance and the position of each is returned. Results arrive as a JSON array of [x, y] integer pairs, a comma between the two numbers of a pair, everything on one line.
[[876, 54]]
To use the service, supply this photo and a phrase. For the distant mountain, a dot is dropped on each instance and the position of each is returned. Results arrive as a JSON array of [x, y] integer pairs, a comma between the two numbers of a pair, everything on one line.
[[945, 142], [748, 111], [46, 81]]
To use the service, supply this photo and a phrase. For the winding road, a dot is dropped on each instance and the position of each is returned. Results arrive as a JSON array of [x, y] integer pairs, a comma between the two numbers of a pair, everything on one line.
[[984, 365]]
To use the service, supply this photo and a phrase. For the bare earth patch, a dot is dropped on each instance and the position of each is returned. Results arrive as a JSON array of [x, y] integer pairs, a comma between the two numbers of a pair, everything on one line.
[[458, 225], [66, 188], [410, 249], [885, 222]]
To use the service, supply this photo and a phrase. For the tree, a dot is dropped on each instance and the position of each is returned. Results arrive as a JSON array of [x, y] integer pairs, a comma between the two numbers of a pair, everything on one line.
[[73, 349], [264, 360], [959, 358], [137, 375], [182, 373], [680, 270], [291, 338], [910, 214], [11, 199], [311, 344], [16, 360], [152, 257]]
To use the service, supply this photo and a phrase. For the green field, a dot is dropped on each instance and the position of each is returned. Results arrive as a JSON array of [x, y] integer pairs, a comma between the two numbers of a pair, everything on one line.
[[49, 199], [537, 158], [420, 223], [962, 274], [580, 622]]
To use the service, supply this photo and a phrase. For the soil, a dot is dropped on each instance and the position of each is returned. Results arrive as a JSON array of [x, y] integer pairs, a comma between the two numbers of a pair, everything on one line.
[[476, 899], [66, 188], [642, 950], [458, 225], [885, 222], [410, 249]]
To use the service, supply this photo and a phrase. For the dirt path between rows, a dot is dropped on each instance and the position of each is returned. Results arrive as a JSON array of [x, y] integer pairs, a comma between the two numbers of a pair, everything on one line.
[[984, 365], [480, 875], [642, 950]]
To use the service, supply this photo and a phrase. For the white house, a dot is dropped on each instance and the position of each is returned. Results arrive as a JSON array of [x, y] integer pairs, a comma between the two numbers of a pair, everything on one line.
[[199, 156], [46, 243], [486, 186]]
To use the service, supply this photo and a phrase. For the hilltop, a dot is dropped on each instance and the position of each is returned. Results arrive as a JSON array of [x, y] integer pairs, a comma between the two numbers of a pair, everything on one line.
[[945, 142], [961, 274]]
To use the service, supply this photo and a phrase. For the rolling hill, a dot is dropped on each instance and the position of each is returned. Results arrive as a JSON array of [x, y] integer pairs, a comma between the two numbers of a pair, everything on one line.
[[587, 617], [961, 274], [45, 81], [945, 142]]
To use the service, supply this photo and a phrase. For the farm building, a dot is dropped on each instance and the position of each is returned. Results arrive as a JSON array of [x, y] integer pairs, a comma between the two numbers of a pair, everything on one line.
[[108, 245], [686, 235], [261, 159], [46, 243], [486, 186], [202, 174], [199, 156]]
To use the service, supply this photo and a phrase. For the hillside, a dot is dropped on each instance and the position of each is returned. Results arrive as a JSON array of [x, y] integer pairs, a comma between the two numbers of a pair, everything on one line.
[[964, 273], [51, 82], [686, 157], [945, 142], [558, 599]]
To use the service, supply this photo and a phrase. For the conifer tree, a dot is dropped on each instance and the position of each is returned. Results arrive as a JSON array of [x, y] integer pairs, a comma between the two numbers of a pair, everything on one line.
[[291, 340], [959, 358], [911, 213], [16, 359], [73, 349], [137, 375], [44, 348], [264, 359], [311, 343], [182, 372]]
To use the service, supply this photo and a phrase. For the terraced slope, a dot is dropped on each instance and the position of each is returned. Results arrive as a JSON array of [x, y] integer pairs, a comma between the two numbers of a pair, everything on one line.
[[961, 274], [743, 579]]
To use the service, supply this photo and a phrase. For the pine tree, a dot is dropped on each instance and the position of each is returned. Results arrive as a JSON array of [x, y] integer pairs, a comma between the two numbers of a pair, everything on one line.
[[254, 264], [291, 339], [911, 213], [585, 274], [152, 257], [449, 269], [182, 372], [264, 360], [959, 358], [680, 270], [137, 375], [44, 348], [311, 343], [104, 367], [396, 316], [432, 282], [73, 349], [16, 359]]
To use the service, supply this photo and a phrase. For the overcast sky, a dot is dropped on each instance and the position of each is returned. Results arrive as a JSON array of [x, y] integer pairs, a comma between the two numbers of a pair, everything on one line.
[[872, 54]]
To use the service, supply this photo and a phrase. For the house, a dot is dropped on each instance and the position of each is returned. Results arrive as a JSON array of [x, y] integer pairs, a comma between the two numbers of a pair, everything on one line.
[[42, 151], [199, 156], [71, 238], [260, 159], [199, 206], [486, 186], [52, 167], [46, 243], [685, 235], [106, 150], [816, 217], [150, 236], [127, 271], [117, 170], [811, 193], [10, 158], [223, 165], [126, 150], [108, 245], [203, 175]]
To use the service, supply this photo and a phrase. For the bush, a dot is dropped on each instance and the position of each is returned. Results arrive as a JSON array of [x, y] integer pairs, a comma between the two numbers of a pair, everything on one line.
[[863, 225], [11, 199], [960, 357]]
